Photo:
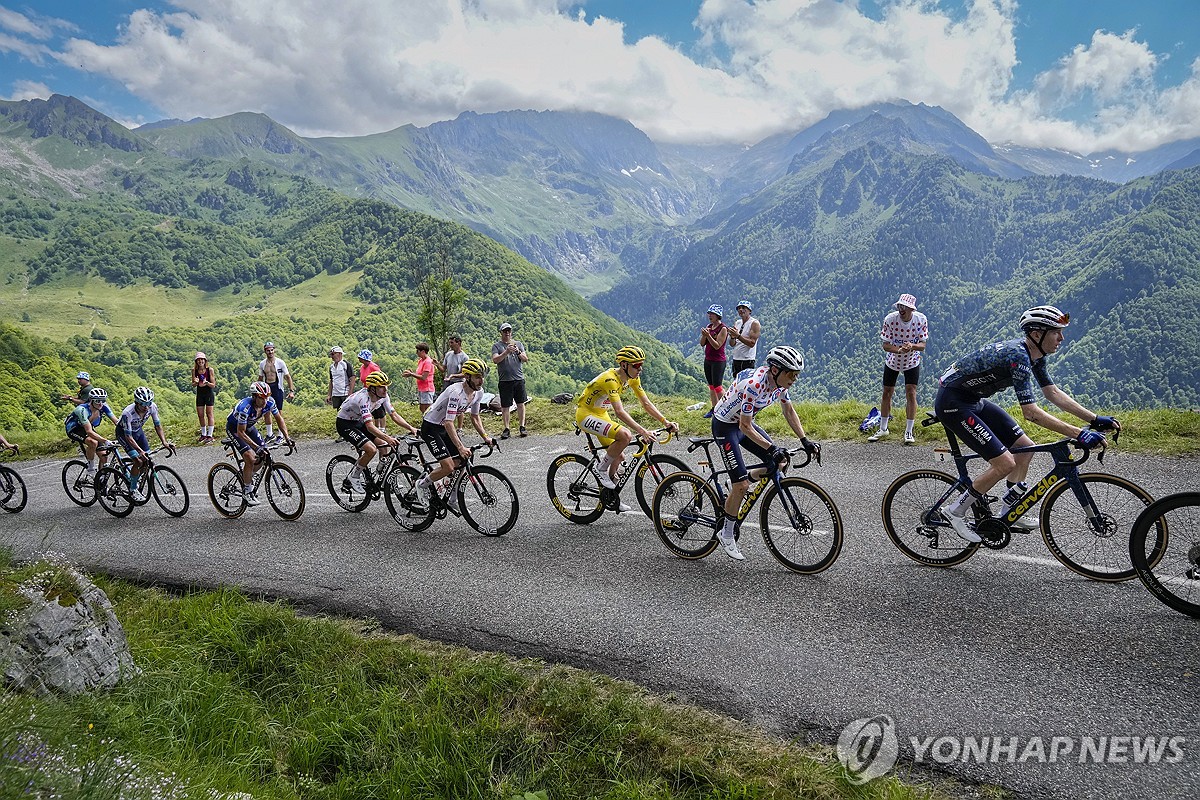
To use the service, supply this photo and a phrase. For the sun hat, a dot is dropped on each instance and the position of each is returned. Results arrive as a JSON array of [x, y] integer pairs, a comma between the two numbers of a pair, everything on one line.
[[907, 300]]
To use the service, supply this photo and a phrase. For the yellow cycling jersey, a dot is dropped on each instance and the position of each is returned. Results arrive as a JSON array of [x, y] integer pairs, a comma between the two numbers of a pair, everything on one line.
[[604, 388]]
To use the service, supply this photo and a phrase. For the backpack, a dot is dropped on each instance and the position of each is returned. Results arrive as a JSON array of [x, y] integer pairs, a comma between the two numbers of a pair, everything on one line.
[[562, 398], [871, 421]]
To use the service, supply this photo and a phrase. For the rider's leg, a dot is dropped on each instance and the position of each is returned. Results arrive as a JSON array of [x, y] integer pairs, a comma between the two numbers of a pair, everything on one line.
[[611, 461], [366, 452]]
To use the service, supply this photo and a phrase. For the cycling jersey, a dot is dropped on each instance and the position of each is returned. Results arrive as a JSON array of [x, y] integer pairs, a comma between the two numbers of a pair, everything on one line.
[[606, 387], [749, 395], [84, 413], [244, 413], [452, 402], [360, 407], [993, 368], [131, 421]]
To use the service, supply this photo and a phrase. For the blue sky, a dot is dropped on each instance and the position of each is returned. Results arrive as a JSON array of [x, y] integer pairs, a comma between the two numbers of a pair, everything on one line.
[[1061, 73]]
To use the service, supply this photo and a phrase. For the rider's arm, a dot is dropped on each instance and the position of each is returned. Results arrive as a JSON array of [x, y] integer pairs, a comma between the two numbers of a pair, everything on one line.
[[162, 437], [401, 421], [1039, 416], [452, 434], [746, 426], [1067, 403], [477, 421], [244, 435], [793, 419], [619, 409], [653, 411]]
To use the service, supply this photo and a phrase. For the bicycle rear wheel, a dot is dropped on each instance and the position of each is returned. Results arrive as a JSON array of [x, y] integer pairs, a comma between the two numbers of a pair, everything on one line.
[[225, 491], [488, 501], [916, 526], [687, 515], [801, 526], [574, 489], [1165, 551], [1095, 547], [285, 493], [651, 473], [112, 490], [337, 480], [12, 490], [400, 496], [76, 484], [169, 491]]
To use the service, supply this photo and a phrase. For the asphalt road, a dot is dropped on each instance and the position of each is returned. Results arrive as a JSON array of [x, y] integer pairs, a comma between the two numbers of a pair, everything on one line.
[[1007, 645]]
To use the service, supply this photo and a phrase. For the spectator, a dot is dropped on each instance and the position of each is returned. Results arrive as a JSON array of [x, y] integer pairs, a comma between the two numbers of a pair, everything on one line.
[[424, 375], [714, 337], [743, 337], [509, 356], [365, 366], [204, 378], [904, 334], [451, 369], [273, 372], [341, 379], [82, 393]]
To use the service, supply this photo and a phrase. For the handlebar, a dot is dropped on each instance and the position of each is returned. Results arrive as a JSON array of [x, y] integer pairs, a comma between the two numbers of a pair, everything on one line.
[[656, 438]]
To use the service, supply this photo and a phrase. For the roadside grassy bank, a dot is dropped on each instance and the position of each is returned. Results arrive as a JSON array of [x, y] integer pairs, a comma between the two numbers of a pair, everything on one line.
[[241, 699]]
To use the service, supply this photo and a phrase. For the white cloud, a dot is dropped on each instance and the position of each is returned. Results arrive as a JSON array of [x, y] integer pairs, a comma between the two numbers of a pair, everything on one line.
[[29, 90], [764, 67]]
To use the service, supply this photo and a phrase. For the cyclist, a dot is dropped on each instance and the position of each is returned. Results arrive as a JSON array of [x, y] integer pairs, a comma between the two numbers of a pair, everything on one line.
[[733, 427], [355, 423], [987, 429], [245, 437], [603, 395], [7, 445], [81, 427], [132, 437], [438, 430]]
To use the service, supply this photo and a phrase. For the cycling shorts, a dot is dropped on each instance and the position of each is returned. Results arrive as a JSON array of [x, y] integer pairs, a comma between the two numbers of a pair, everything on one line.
[[598, 423], [241, 446], [137, 436], [353, 432], [982, 425], [912, 375], [440, 446], [731, 440]]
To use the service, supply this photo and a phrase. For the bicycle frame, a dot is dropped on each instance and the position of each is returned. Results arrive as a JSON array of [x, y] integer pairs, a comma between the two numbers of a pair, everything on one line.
[[632, 465], [260, 468], [774, 475]]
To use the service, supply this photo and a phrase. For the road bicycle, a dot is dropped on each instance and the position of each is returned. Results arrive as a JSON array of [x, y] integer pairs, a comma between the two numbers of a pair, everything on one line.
[[1085, 517], [799, 521], [387, 468], [482, 495], [116, 483], [284, 491], [1165, 550], [12, 489], [80, 488], [573, 480]]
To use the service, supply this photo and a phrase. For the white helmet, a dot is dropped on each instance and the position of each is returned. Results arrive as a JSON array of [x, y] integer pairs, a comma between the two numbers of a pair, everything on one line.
[[1040, 318], [143, 395], [785, 357]]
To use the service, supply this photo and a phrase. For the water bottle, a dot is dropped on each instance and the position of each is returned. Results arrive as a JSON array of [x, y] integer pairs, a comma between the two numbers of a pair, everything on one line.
[[695, 406], [1015, 493]]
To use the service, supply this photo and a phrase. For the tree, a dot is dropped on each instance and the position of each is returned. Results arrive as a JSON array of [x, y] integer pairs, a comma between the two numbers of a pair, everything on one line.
[[441, 304]]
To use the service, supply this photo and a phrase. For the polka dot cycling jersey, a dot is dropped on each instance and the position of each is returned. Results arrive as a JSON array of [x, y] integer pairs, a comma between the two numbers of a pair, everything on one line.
[[749, 395]]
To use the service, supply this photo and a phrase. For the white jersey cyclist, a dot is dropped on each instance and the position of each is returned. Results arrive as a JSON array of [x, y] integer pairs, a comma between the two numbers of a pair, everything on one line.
[[360, 406], [451, 403]]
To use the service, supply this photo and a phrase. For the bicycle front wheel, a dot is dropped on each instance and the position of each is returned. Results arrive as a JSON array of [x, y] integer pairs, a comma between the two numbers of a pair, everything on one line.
[[915, 524], [169, 491], [1165, 550], [337, 480], [574, 489], [650, 474], [1094, 541], [12, 491], [285, 493], [400, 496], [112, 490], [76, 484], [801, 526], [225, 491], [687, 515], [488, 501]]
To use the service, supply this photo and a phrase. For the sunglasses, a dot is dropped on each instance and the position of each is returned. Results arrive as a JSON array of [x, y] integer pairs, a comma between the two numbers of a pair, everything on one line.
[[637, 364]]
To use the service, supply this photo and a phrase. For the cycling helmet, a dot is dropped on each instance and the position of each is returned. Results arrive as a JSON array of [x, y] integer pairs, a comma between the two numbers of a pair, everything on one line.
[[715, 308], [143, 395], [97, 394], [473, 366], [630, 355], [377, 378], [260, 388], [83, 376], [1041, 318], [785, 357], [365, 355]]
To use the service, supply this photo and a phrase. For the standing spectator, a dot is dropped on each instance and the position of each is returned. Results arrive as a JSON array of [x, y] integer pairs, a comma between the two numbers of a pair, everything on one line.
[[365, 366], [509, 356], [341, 379], [82, 393], [451, 369], [743, 337], [424, 375], [904, 334], [273, 372], [204, 378], [714, 336]]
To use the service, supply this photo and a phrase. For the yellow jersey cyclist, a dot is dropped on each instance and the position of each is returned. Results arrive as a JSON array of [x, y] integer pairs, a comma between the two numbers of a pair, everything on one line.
[[602, 396], [733, 427], [240, 427], [962, 406], [355, 422], [81, 425], [132, 435], [439, 431]]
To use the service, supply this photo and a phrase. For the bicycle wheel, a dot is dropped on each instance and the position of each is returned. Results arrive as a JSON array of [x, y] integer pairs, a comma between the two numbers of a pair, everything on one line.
[[169, 491], [12, 490], [687, 515], [488, 501], [112, 490], [76, 484], [574, 489], [337, 480], [1165, 550], [225, 491], [651, 473], [916, 526], [804, 529], [1095, 548], [400, 497], [285, 493]]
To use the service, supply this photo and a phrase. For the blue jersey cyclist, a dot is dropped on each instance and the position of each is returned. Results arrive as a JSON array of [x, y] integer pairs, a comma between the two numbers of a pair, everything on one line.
[[245, 437], [132, 436], [963, 407], [81, 426], [733, 427]]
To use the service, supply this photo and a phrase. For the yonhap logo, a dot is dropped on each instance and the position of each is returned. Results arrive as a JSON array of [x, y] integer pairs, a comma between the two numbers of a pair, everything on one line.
[[868, 748]]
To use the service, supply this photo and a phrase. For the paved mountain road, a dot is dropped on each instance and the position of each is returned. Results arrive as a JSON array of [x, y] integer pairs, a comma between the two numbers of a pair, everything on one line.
[[1009, 644]]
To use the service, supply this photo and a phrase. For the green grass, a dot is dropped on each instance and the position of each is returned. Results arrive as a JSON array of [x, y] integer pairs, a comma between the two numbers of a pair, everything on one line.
[[241, 696]]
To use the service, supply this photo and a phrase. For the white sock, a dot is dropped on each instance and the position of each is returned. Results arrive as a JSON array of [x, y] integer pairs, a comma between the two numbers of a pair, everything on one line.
[[357, 471], [727, 530], [270, 431], [908, 427]]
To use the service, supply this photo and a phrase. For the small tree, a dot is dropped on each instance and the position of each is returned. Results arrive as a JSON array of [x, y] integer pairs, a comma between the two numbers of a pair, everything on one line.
[[441, 304]]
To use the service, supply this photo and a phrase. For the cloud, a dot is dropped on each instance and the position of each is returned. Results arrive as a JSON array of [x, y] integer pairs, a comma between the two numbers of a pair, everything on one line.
[[29, 90]]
